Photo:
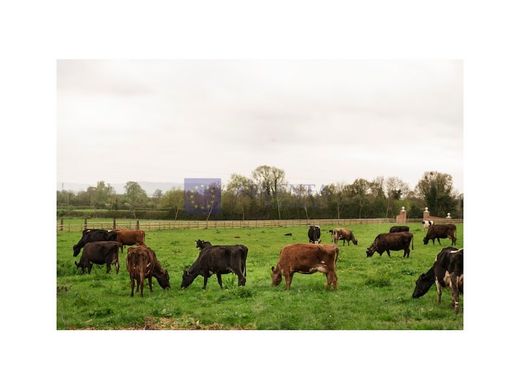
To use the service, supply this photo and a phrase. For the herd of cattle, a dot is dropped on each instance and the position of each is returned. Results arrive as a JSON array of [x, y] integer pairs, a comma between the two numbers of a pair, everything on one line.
[[99, 246]]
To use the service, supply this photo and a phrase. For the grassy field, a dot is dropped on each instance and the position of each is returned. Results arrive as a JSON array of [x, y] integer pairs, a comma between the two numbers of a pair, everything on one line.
[[373, 293]]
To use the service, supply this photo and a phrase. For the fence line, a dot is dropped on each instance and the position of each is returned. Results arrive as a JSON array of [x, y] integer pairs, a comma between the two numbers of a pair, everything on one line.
[[185, 224]]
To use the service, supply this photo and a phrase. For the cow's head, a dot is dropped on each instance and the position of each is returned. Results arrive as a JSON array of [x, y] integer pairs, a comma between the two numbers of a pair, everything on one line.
[[425, 240], [81, 243], [371, 250], [187, 278], [276, 275], [354, 241], [422, 285], [163, 279], [75, 250], [201, 244], [79, 265]]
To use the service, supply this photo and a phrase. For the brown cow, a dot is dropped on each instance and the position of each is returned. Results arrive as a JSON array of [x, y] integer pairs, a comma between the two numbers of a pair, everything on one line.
[[385, 242], [130, 237], [344, 235], [142, 263], [441, 231], [306, 259]]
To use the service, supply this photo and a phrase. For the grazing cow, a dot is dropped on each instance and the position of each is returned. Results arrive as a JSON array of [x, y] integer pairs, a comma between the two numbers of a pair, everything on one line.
[[391, 241], [397, 229], [427, 223], [201, 244], [99, 252], [314, 234], [447, 272], [92, 235], [306, 259], [344, 235], [217, 259], [142, 263], [130, 237], [441, 231]]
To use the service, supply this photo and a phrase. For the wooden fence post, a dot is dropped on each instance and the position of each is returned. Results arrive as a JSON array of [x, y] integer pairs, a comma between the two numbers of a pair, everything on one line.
[[61, 224], [85, 224], [137, 225], [114, 223]]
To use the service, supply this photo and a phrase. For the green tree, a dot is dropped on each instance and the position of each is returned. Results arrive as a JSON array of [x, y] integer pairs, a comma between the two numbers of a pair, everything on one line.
[[271, 183], [173, 200], [358, 192], [395, 190], [436, 189], [135, 196], [242, 192]]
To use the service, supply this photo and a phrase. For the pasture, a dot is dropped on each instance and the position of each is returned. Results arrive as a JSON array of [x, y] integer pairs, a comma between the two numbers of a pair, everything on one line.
[[373, 293]]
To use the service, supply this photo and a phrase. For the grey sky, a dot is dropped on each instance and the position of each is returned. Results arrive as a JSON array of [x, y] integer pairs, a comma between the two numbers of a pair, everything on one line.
[[320, 121]]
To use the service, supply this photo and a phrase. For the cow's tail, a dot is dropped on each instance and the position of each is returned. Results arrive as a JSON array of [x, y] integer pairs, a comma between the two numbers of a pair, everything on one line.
[[412, 242]]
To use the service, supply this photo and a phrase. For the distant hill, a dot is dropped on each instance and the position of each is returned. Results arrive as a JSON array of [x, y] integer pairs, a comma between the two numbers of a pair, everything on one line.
[[148, 186]]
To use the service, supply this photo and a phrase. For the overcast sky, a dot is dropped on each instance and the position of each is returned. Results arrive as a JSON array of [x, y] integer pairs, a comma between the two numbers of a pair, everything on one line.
[[320, 121]]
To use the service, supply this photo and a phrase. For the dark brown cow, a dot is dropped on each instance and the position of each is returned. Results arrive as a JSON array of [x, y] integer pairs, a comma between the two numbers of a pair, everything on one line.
[[91, 235], [99, 252], [441, 231], [306, 259], [447, 272], [343, 235], [397, 229], [130, 237], [142, 263], [386, 242]]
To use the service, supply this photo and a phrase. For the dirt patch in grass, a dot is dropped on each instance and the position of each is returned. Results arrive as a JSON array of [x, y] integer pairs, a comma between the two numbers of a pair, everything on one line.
[[162, 323]]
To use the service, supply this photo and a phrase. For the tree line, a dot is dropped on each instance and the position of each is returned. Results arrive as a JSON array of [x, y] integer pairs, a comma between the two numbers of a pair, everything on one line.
[[266, 194]]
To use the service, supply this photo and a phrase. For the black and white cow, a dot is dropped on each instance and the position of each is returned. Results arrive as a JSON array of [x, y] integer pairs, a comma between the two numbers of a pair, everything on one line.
[[314, 234], [447, 272]]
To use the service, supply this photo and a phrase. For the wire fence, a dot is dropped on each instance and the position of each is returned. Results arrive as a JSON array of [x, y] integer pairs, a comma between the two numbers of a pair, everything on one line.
[[148, 225]]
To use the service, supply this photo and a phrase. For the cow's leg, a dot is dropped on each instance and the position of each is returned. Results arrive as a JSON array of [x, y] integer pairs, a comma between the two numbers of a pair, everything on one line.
[[89, 268], [132, 283], [439, 290], [288, 279], [454, 293], [205, 281], [439, 240], [332, 279], [150, 282], [241, 278], [388, 251], [219, 280], [117, 266], [141, 283], [108, 267]]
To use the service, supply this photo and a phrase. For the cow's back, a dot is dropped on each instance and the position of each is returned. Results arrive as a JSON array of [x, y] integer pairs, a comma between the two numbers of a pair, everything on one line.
[[303, 256]]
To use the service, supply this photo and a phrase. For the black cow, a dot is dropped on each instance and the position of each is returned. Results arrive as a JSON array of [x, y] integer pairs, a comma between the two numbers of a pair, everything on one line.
[[201, 244], [441, 231], [397, 229], [314, 234], [217, 259], [447, 271], [99, 252], [92, 235], [385, 242]]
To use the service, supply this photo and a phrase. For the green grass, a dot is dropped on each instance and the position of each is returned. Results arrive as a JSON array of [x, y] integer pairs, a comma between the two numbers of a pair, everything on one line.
[[373, 293]]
